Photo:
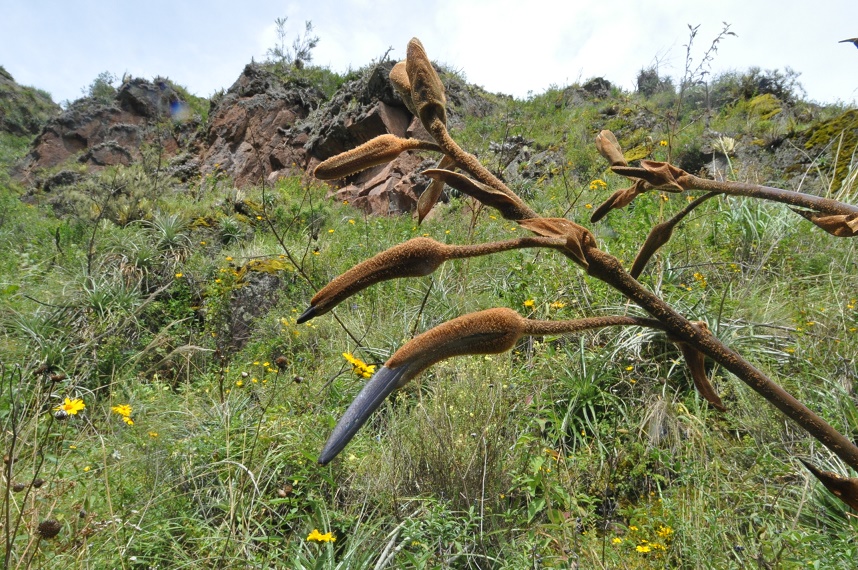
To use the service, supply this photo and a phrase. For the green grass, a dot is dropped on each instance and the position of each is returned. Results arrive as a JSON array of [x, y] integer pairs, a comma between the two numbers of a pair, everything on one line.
[[592, 450]]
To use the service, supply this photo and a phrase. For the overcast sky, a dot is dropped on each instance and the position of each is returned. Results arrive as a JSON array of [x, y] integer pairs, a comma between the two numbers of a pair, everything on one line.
[[507, 46]]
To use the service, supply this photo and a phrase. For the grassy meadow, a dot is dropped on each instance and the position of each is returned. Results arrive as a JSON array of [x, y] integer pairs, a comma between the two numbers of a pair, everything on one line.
[[137, 434]]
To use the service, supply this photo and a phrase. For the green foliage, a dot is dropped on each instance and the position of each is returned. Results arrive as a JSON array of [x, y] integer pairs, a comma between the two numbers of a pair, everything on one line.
[[101, 89], [23, 110], [592, 451]]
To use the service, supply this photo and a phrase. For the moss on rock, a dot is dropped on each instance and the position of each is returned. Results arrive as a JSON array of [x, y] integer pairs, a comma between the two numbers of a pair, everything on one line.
[[841, 133]]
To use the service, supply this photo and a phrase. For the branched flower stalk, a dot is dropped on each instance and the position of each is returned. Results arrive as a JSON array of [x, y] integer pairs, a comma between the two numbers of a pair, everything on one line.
[[497, 330]]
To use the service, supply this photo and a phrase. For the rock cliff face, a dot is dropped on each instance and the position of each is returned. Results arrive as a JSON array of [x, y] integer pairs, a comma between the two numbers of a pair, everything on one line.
[[261, 128], [248, 135], [100, 134]]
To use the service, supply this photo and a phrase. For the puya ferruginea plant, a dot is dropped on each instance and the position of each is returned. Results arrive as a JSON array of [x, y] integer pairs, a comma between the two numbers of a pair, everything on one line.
[[497, 330]]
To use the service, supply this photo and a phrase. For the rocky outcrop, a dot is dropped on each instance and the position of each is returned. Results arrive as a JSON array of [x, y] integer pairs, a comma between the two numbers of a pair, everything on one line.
[[249, 133], [100, 134], [263, 127]]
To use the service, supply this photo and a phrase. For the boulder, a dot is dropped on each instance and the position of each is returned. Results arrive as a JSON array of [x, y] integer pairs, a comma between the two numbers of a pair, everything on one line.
[[257, 296]]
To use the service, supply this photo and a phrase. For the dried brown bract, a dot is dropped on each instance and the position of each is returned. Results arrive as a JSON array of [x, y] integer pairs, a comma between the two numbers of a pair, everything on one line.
[[844, 488], [839, 225], [609, 148], [577, 237], [510, 207], [620, 199], [661, 175]]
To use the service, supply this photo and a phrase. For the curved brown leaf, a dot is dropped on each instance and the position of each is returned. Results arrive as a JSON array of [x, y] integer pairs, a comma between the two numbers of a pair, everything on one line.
[[505, 204], [660, 234], [695, 360], [430, 196]]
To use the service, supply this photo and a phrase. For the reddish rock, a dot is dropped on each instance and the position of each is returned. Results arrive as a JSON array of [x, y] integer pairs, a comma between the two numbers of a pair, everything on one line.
[[248, 136], [390, 188]]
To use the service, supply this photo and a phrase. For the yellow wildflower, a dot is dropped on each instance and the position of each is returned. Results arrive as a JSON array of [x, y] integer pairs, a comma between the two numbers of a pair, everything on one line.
[[71, 407], [319, 537], [359, 367], [643, 548], [529, 303], [122, 410]]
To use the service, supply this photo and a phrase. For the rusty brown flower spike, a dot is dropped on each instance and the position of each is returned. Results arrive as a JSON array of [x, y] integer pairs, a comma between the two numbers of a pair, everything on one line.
[[497, 330], [415, 258], [399, 79], [492, 331], [380, 150], [427, 91]]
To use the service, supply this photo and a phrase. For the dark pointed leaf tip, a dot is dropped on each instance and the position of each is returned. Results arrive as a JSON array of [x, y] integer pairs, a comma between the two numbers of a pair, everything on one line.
[[307, 315]]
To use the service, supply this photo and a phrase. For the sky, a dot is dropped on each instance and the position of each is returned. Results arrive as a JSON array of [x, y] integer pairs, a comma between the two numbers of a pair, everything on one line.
[[506, 46]]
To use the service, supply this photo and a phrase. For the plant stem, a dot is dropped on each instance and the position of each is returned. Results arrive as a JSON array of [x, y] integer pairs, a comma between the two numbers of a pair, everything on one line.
[[817, 203], [607, 268]]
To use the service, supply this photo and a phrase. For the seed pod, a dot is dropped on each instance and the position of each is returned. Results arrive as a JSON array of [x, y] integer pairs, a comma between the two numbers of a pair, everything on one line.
[[49, 528]]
